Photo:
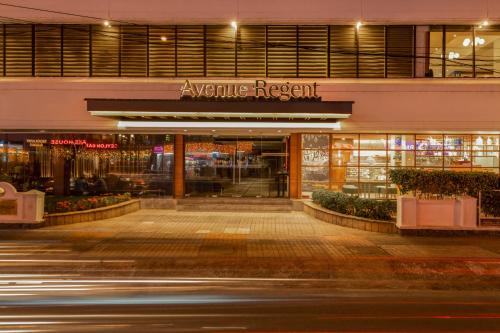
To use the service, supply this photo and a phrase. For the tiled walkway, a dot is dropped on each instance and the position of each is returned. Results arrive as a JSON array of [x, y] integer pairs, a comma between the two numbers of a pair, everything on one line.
[[166, 233], [294, 244]]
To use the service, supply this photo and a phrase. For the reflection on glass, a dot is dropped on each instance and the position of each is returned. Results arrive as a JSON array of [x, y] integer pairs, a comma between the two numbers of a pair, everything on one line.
[[401, 159], [236, 167], [401, 142], [315, 141], [435, 53], [363, 171], [429, 142], [457, 142], [345, 141], [487, 44], [344, 157], [89, 164], [315, 157], [373, 141], [459, 52], [317, 174]]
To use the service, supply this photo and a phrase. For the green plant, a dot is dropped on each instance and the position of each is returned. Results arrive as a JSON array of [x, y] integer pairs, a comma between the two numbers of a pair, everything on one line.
[[442, 183], [353, 205], [71, 204], [490, 203]]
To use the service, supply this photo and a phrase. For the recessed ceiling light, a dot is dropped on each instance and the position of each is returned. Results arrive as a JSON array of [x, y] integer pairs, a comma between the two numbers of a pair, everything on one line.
[[163, 38]]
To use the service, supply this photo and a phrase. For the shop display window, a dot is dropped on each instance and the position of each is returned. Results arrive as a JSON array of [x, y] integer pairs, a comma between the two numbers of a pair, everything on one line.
[[315, 141], [87, 164], [401, 159], [401, 142], [359, 163], [373, 142], [345, 141]]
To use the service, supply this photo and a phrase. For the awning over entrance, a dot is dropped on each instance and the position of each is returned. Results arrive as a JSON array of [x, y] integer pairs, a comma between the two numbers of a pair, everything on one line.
[[207, 111]]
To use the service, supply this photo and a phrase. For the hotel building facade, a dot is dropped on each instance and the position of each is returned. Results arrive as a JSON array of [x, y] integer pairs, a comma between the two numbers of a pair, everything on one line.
[[246, 98]]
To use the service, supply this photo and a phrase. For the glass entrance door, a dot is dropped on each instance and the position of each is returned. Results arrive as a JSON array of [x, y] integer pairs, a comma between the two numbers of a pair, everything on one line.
[[230, 166]]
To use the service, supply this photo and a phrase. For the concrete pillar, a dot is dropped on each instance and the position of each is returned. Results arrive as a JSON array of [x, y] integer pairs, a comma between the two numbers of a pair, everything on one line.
[[179, 166], [295, 166], [62, 173], [421, 43]]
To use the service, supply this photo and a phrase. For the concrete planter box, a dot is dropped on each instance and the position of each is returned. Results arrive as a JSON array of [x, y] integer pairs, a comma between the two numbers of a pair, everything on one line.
[[446, 214], [93, 214], [20, 207], [349, 221]]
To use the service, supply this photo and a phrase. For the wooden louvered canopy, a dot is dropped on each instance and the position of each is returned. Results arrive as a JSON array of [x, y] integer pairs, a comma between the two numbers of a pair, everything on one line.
[[275, 51], [206, 111]]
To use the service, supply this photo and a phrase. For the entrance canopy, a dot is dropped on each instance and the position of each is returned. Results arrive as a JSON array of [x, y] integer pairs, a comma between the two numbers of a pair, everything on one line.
[[251, 110]]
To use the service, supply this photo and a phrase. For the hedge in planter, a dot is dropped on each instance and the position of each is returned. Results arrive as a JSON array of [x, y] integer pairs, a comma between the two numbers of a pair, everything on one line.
[[356, 206], [450, 184], [443, 183]]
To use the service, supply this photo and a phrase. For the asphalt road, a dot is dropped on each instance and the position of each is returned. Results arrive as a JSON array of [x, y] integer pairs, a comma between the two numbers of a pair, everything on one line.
[[55, 303]]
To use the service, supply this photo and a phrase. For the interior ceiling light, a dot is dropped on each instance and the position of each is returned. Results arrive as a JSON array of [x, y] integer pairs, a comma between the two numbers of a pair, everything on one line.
[[163, 38], [466, 42], [234, 24], [359, 24], [106, 24], [453, 55]]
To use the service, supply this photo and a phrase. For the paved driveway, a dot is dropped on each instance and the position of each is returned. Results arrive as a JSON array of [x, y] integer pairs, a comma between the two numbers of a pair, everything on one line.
[[244, 244]]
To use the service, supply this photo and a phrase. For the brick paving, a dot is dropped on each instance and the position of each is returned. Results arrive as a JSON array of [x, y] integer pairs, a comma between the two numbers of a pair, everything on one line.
[[168, 233], [167, 242]]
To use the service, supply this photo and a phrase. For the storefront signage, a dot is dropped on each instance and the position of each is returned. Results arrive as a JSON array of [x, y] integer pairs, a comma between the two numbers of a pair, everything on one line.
[[89, 145], [36, 142], [260, 89]]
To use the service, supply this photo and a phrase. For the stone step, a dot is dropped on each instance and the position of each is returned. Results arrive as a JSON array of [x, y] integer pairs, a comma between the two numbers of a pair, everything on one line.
[[240, 207], [236, 201], [229, 204]]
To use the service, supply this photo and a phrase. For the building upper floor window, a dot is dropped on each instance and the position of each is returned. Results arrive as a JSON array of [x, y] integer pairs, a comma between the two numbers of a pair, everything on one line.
[[463, 51]]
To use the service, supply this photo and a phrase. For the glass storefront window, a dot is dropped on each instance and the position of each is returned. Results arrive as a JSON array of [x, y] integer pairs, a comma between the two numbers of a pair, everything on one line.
[[485, 143], [401, 142], [237, 166], [435, 52], [87, 164], [345, 141], [457, 142], [315, 141], [344, 157], [359, 163], [487, 42], [373, 141], [459, 52], [315, 162], [401, 159], [429, 142], [315, 157]]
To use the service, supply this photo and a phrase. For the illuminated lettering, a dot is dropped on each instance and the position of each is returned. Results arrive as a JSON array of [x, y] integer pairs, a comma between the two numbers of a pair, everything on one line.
[[260, 89], [260, 86]]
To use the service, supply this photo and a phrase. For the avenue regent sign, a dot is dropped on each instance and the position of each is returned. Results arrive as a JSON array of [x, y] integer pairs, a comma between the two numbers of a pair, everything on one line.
[[259, 89]]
